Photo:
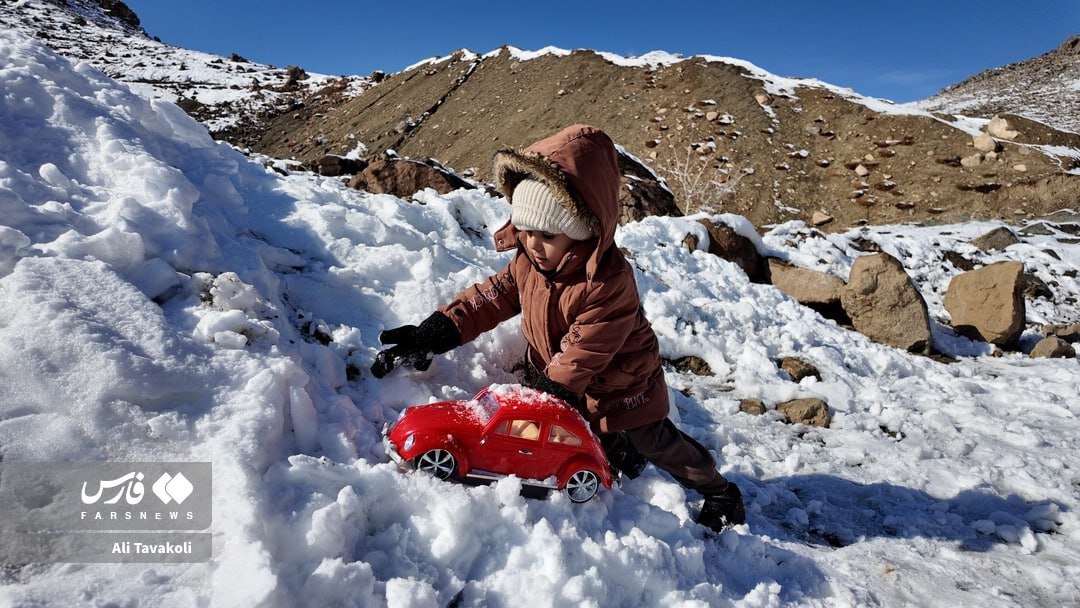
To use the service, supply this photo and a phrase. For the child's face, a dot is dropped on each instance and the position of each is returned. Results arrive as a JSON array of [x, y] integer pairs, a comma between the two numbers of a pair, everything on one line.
[[547, 250]]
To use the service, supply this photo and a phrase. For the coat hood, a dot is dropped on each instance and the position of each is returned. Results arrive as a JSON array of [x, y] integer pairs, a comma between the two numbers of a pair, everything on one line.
[[580, 165]]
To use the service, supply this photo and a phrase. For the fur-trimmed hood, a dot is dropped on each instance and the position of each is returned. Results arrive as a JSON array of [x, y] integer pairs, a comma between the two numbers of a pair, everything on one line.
[[580, 165]]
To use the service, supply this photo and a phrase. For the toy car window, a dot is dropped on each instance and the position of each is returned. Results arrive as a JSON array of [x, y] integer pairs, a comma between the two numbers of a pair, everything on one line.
[[562, 436], [525, 429], [501, 430]]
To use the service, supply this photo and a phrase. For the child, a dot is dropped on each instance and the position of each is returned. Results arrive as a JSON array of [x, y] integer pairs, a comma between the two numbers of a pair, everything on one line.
[[588, 337]]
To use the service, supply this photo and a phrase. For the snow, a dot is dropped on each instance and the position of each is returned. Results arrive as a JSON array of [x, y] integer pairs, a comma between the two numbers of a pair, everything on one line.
[[162, 71], [161, 299], [522, 55]]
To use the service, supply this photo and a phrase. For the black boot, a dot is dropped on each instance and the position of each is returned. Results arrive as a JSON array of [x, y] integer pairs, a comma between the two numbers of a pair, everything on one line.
[[723, 510], [622, 455]]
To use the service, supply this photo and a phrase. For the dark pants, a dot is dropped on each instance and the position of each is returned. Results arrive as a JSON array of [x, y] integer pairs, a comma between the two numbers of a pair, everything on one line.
[[663, 445], [679, 454]]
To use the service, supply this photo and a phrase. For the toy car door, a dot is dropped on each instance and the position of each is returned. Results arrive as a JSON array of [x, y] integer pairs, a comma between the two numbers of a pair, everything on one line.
[[561, 444], [514, 446]]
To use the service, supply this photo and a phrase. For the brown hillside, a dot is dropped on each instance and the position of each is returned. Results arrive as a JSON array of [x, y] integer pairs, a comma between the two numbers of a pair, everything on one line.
[[795, 154]]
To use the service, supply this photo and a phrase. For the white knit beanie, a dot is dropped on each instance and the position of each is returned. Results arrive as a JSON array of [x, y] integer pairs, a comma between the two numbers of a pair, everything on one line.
[[535, 207]]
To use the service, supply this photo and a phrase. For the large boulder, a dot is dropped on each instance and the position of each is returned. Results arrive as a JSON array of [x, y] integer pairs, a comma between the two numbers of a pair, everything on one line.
[[726, 243], [987, 304], [1053, 347], [642, 193], [884, 304], [403, 178], [804, 285]]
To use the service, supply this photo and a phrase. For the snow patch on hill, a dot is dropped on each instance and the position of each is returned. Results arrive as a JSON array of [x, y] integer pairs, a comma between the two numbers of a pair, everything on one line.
[[229, 90]]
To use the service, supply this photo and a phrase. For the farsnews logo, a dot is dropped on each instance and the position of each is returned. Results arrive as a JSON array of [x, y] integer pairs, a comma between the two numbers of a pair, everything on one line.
[[169, 487], [130, 488]]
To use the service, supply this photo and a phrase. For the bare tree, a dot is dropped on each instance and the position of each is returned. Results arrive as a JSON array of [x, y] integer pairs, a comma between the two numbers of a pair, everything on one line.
[[702, 186]]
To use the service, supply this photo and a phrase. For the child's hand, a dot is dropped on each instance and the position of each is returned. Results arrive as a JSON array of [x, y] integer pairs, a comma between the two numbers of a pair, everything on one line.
[[407, 351], [414, 345]]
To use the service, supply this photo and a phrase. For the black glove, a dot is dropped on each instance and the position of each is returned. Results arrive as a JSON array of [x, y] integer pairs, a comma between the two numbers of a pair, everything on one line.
[[414, 345], [549, 386]]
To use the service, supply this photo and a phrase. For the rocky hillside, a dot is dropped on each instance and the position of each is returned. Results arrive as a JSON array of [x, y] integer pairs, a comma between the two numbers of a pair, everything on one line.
[[230, 95], [1045, 88], [725, 134]]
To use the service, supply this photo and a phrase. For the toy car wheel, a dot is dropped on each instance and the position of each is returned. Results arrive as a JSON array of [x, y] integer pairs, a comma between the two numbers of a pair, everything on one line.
[[582, 486], [439, 463]]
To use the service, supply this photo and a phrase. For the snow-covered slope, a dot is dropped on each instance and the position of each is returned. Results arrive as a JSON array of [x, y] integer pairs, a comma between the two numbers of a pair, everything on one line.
[[1045, 88], [221, 92], [162, 295]]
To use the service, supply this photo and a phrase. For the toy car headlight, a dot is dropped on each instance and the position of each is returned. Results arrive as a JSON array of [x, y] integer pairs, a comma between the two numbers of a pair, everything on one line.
[[409, 441]]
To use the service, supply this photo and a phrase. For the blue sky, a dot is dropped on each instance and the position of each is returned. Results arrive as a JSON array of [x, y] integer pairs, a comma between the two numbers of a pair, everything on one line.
[[898, 50]]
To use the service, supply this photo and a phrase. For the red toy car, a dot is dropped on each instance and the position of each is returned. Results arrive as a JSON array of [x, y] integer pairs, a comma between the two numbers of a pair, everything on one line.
[[504, 430]]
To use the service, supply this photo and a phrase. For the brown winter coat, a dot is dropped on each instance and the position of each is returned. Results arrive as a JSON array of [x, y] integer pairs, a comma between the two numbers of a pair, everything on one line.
[[584, 324]]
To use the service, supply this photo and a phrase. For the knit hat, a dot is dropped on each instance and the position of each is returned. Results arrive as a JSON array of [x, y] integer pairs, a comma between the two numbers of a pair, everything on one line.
[[535, 207]]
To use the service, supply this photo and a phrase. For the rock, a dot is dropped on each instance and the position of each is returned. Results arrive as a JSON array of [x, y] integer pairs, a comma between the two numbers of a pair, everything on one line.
[[121, 11], [813, 411], [403, 178], [971, 161], [996, 239], [642, 194], [1038, 229], [762, 99], [984, 143], [1069, 333], [959, 261], [861, 171], [691, 242], [332, 165], [884, 304], [990, 156], [804, 285], [294, 74], [1032, 287], [724, 242], [1053, 347], [798, 369], [692, 365], [1021, 168], [820, 219], [999, 127], [754, 407], [987, 304], [711, 115]]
